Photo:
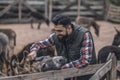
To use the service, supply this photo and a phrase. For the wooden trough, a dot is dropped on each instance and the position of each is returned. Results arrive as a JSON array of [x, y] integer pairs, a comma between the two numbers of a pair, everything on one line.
[[98, 71]]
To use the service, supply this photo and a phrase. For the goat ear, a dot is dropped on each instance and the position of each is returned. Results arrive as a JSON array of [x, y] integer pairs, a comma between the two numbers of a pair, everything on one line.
[[43, 67], [25, 53], [116, 30]]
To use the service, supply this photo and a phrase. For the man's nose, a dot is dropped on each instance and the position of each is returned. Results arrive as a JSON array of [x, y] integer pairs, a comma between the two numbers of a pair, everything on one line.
[[56, 33]]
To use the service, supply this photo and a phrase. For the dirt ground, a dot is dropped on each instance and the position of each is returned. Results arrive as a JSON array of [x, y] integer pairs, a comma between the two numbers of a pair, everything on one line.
[[26, 35]]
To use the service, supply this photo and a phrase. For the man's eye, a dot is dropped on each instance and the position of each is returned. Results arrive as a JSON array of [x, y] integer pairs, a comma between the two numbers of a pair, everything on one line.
[[59, 30]]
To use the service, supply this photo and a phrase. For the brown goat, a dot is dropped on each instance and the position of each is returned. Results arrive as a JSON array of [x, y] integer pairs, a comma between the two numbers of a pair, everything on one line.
[[87, 23], [12, 39], [20, 64], [4, 58]]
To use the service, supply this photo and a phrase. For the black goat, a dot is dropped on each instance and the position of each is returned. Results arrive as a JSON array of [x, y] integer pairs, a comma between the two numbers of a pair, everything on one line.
[[116, 40], [105, 51], [40, 18]]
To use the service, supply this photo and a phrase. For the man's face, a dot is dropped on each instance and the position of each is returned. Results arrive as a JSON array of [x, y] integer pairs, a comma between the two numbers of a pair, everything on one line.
[[60, 31]]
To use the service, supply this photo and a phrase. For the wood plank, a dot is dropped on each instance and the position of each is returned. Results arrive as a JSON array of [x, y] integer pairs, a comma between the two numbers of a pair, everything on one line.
[[118, 66], [20, 10], [29, 7], [115, 20], [36, 2], [65, 73], [7, 8], [81, 13], [114, 13], [15, 20], [75, 7], [102, 71], [115, 7], [94, 2], [110, 66], [6, 1], [113, 72]]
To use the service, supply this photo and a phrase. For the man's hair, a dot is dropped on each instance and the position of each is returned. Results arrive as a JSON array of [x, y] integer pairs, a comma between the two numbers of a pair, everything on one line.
[[61, 20]]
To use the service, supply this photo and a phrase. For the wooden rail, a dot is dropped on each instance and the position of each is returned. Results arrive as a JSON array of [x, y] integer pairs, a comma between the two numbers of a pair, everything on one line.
[[113, 13], [58, 74], [109, 69], [97, 70], [69, 7]]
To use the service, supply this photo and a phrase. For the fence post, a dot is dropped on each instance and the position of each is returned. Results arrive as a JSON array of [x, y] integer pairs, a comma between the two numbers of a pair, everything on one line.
[[113, 70], [79, 3], [46, 8], [20, 10], [108, 69], [102, 71], [106, 7], [50, 10]]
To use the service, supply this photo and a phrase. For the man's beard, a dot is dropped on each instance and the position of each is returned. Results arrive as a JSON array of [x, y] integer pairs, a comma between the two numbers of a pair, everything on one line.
[[62, 38]]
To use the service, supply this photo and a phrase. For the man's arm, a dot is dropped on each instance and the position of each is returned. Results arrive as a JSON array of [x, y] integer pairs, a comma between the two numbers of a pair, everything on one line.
[[41, 44], [85, 52]]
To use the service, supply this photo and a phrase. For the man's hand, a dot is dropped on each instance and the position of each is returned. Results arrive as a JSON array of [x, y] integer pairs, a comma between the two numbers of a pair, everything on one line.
[[64, 67], [32, 55]]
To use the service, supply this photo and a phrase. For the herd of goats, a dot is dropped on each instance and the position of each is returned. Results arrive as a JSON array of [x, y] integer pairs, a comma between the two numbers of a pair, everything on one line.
[[11, 64]]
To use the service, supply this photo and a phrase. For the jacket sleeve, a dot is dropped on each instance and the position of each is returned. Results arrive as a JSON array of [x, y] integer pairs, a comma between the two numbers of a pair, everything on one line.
[[42, 44], [85, 52]]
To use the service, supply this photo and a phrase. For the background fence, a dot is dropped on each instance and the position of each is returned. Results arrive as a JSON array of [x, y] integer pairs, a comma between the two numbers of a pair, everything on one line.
[[12, 11]]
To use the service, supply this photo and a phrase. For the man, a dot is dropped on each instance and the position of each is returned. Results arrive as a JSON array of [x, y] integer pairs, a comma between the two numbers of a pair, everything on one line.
[[71, 41]]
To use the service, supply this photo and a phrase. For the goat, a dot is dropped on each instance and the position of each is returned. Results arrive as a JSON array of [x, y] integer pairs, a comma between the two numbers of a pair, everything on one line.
[[104, 52], [116, 40], [4, 63], [12, 38], [47, 63], [87, 23], [19, 62], [54, 64], [40, 18]]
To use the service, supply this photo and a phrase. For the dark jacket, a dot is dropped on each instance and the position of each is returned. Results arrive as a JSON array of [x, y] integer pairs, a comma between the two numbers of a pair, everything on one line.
[[70, 46]]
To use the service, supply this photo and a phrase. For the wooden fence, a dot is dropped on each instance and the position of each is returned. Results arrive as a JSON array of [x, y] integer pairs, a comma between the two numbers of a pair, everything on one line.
[[113, 13], [17, 11], [97, 70], [14, 11]]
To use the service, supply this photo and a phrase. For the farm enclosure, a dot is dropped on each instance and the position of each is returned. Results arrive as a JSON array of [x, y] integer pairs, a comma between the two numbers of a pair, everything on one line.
[[26, 35]]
